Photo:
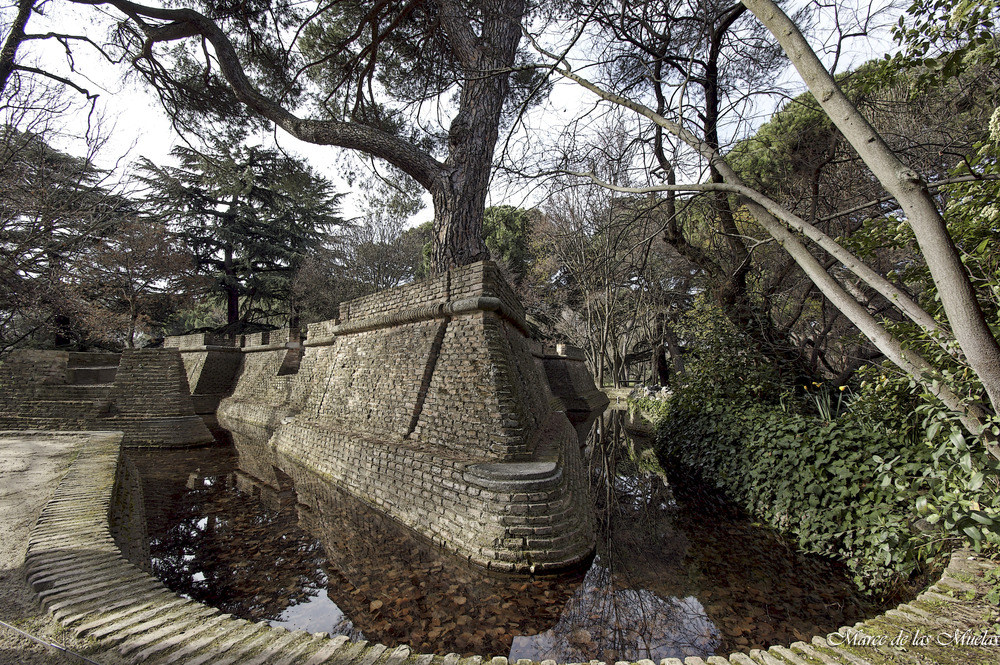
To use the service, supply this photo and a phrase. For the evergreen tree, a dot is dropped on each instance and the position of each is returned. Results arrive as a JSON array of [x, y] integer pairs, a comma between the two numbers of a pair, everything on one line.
[[249, 215]]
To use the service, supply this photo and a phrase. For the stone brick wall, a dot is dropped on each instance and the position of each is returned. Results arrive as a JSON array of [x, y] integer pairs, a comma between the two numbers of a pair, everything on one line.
[[151, 401], [36, 391], [570, 380], [264, 394], [429, 403], [211, 364], [24, 369]]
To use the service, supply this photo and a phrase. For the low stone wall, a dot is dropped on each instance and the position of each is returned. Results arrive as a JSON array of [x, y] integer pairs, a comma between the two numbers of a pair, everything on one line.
[[82, 579], [430, 403], [147, 398], [265, 393]]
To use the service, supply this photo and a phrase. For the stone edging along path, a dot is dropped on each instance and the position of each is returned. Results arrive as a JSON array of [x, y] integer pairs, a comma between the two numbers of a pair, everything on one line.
[[82, 579]]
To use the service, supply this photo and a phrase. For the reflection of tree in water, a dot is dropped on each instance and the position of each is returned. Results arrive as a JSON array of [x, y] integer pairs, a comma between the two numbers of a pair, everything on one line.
[[678, 573], [615, 615], [217, 545], [284, 545], [606, 622], [679, 539]]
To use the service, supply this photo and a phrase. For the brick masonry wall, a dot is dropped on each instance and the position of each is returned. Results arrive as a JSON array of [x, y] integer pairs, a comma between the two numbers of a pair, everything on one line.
[[24, 369], [570, 380], [211, 364], [36, 394], [151, 401], [429, 403], [262, 396]]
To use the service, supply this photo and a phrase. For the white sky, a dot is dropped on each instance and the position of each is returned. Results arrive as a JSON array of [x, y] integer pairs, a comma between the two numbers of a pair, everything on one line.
[[141, 128]]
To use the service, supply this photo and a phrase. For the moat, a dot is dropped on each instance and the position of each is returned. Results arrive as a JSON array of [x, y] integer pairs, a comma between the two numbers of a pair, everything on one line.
[[677, 573]]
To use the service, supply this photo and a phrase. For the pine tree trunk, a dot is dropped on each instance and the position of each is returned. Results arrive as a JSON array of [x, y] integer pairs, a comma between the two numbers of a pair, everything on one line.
[[231, 288], [459, 193], [8, 54]]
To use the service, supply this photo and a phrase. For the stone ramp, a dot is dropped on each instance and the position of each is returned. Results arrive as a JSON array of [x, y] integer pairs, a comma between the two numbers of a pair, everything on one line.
[[81, 578], [141, 392]]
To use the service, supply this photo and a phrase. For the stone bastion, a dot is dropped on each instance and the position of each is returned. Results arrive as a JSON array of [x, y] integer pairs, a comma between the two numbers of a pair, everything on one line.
[[430, 402]]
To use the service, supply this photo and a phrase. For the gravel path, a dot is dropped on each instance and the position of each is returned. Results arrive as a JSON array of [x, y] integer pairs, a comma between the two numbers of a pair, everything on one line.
[[31, 465]]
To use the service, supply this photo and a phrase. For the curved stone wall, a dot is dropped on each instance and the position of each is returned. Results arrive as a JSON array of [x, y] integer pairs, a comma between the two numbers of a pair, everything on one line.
[[82, 579]]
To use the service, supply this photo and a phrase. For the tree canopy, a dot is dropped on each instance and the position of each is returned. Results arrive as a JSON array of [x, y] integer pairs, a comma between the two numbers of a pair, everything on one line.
[[250, 216]]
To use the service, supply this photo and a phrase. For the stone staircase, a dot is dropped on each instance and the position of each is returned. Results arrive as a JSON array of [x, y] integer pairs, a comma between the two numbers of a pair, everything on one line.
[[75, 396]]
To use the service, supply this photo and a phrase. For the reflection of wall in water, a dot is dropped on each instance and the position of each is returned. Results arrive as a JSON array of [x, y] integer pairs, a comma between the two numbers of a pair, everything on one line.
[[605, 621], [205, 543], [127, 515], [373, 558]]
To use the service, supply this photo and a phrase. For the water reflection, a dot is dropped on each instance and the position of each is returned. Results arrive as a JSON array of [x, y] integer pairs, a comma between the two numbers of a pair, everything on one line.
[[609, 623], [677, 573], [303, 555]]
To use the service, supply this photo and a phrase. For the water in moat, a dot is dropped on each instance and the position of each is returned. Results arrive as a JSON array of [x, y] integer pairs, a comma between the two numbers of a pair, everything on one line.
[[677, 573]]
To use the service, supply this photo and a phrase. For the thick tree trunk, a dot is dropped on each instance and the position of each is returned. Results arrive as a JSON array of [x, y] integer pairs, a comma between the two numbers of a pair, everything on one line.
[[459, 192], [8, 53]]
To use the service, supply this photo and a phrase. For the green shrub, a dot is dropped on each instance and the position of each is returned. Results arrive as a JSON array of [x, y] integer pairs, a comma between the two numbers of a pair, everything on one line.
[[835, 487]]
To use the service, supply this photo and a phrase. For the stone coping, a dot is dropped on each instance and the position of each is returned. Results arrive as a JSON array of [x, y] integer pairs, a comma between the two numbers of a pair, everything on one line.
[[82, 579], [447, 308]]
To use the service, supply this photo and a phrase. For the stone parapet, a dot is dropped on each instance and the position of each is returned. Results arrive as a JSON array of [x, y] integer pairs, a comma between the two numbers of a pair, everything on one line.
[[569, 379], [211, 364], [200, 341]]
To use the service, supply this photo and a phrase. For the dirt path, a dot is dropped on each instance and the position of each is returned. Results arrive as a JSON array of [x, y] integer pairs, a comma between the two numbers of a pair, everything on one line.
[[31, 465]]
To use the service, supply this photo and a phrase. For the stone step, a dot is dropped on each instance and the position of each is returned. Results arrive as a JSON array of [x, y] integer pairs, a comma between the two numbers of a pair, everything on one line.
[[174, 642], [91, 375], [214, 650], [168, 631], [92, 391], [92, 359], [213, 639]]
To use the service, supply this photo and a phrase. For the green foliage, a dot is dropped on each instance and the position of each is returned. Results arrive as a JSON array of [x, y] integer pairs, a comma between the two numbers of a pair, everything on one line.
[[787, 148], [720, 361], [882, 478], [886, 503], [248, 215], [939, 35], [506, 231], [961, 479], [204, 315], [840, 490]]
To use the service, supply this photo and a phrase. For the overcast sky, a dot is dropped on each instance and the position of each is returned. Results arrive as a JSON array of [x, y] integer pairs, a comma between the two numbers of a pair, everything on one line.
[[138, 126]]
